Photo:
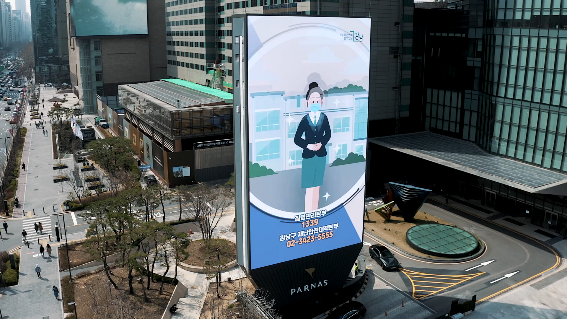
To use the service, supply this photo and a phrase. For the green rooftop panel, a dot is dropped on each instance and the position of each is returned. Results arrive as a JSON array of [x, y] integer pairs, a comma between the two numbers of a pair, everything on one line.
[[201, 88], [442, 241]]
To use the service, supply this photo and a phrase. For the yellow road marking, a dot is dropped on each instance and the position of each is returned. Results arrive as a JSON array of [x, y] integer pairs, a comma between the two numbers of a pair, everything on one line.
[[432, 282], [415, 279], [429, 286]]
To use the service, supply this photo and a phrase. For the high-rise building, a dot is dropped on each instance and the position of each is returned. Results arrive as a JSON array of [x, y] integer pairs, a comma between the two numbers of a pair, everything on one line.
[[199, 47], [48, 63], [21, 5], [492, 103], [102, 58]]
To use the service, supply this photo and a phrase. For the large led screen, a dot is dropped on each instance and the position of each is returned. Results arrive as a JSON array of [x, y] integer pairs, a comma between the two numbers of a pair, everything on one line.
[[307, 128], [109, 17]]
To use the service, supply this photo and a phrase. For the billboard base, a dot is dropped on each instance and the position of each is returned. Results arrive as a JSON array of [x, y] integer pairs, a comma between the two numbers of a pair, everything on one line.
[[311, 308]]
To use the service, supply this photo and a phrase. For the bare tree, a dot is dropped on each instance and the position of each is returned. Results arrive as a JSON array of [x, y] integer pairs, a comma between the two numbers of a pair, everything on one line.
[[161, 194], [179, 195], [208, 206], [74, 180]]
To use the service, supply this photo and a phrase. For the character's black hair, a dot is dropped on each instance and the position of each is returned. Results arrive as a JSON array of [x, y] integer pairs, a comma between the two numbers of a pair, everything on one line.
[[313, 87]]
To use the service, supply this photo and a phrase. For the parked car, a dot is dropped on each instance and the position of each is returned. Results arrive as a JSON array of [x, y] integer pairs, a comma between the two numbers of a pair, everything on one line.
[[384, 257], [103, 124], [150, 180], [7, 108], [350, 310]]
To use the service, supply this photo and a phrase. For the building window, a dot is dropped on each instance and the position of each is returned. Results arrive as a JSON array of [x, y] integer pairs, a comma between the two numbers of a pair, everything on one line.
[[98, 60], [295, 158], [341, 124], [267, 120], [229, 72], [360, 118], [99, 91], [359, 149], [98, 76], [267, 150], [97, 45], [341, 151], [292, 128]]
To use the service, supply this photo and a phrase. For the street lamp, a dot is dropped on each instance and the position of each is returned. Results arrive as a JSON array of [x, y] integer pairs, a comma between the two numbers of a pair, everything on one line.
[[72, 303]]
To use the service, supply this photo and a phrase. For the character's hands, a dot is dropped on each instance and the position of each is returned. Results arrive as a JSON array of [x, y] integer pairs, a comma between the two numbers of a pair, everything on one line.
[[312, 147], [318, 145]]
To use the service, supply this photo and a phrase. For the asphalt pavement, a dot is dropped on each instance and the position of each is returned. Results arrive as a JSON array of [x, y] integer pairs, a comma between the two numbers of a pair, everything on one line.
[[509, 259]]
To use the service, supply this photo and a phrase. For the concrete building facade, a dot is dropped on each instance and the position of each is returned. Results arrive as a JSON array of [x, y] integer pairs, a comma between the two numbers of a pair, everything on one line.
[[99, 64]]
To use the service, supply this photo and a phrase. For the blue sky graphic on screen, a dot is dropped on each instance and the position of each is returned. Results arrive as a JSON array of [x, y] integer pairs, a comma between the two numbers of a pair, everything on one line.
[[109, 17], [308, 114]]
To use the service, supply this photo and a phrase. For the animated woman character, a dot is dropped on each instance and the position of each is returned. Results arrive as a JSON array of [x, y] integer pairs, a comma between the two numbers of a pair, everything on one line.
[[317, 130]]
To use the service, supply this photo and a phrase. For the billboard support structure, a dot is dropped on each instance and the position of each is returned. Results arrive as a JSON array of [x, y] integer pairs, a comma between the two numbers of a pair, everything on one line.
[[300, 154]]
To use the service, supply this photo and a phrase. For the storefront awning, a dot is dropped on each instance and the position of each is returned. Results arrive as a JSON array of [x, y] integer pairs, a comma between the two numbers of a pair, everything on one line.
[[468, 157]]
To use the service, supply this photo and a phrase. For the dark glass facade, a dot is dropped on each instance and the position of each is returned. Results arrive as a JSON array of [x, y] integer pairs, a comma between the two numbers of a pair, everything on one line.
[[494, 74]]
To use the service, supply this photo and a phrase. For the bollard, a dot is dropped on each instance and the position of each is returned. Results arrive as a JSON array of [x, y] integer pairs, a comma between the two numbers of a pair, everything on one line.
[[53, 208], [386, 313], [402, 303], [38, 241], [44, 210], [50, 240], [33, 209]]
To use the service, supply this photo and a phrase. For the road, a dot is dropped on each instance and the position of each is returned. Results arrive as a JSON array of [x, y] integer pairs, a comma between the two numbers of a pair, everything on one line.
[[509, 259]]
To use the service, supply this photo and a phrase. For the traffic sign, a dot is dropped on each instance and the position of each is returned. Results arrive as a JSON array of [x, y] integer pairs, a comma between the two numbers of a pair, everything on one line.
[[144, 167]]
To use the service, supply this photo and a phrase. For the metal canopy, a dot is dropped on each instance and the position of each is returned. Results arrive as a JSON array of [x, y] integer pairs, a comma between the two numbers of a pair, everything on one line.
[[468, 157]]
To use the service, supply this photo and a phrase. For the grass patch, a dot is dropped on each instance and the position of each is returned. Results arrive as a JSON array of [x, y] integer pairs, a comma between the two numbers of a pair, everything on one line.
[[199, 251], [223, 308], [394, 231], [67, 293], [9, 274]]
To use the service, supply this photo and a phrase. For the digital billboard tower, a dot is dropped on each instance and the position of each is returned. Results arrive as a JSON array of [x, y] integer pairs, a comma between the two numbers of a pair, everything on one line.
[[301, 111]]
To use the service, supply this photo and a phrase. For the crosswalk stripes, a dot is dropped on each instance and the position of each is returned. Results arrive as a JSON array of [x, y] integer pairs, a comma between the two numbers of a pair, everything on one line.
[[28, 226]]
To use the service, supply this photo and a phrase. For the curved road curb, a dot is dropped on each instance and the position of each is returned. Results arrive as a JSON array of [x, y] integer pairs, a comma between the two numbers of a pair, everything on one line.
[[430, 260], [557, 254]]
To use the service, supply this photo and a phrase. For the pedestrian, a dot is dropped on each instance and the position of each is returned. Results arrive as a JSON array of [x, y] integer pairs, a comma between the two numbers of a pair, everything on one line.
[[38, 270], [49, 250], [36, 227], [41, 250], [5, 224], [24, 166], [40, 228], [55, 292], [24, 233]]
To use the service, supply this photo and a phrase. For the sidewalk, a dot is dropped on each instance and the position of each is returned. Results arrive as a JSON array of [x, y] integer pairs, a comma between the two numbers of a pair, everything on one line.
[[541, 298], [36, 190], [33, 297]]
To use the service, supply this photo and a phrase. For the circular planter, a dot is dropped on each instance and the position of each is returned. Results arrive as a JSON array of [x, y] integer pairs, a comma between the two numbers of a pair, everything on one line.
[[442, 241], [203, 270]]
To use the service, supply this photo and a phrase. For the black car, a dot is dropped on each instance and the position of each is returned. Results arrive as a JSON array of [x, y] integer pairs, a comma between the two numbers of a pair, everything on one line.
[[384, 257], [150, 180], [350, 310], [7, 108]]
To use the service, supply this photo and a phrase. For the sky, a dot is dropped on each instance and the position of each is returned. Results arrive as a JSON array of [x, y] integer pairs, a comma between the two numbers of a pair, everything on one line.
[[13, 4]]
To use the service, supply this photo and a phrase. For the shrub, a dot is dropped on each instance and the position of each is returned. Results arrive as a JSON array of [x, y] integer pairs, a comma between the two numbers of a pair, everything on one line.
[[3, 267], [10, 277], [350, 159], [4, 256], [256, 170]]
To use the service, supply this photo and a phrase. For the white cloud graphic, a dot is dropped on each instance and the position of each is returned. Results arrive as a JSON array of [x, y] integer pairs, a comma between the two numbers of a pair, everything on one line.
[[322, 55], [355, 66]]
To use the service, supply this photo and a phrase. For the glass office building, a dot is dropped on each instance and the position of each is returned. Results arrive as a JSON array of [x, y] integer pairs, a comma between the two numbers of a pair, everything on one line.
[[493, 73]]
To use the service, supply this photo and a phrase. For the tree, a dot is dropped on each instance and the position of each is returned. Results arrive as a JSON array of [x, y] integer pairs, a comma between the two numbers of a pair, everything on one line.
[[98, 237], [178, 244], [113, 154], [179, 195], [58, 114], [148, 199], [74, 180], [209, 204], [231, 181], [161, 195]]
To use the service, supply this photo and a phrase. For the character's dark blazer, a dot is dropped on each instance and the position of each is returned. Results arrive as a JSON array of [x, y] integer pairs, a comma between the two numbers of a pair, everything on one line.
[[320, 133]]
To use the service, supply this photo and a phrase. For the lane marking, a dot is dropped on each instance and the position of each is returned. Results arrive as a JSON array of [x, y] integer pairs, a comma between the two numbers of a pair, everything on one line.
[[74, 218], [481, 264], [506, 276], [416, 277], [557, 257]]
